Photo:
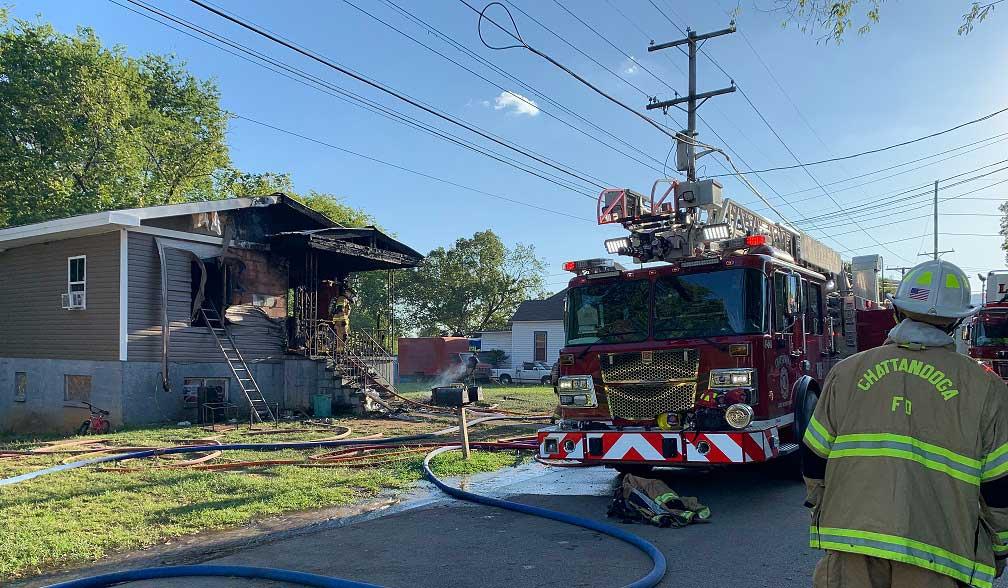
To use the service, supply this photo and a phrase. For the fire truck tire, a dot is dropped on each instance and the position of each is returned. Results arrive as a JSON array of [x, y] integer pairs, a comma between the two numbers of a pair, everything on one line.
[[806, 398], [505, 379]]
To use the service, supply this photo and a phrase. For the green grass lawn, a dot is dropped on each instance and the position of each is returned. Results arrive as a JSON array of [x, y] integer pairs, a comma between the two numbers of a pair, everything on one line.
[[516, 397], [73, 518]]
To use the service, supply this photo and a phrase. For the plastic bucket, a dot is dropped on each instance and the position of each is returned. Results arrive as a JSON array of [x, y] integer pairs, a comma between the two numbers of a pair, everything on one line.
[[322, 405]]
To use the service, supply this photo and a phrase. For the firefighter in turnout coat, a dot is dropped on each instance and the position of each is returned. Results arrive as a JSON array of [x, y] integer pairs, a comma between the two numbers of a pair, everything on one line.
[[906, 455]]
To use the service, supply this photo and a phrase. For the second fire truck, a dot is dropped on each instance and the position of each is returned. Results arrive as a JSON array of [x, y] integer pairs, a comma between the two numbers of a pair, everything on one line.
[[987, 332], [716, 356]]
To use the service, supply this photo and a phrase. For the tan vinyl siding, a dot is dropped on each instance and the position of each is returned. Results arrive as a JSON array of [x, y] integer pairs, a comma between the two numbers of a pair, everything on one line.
[[186, 343], [32, 321]]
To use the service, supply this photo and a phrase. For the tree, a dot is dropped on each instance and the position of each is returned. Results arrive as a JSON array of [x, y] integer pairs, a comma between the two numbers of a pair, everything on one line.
[[85, 128], [835, 18], [476, 285]]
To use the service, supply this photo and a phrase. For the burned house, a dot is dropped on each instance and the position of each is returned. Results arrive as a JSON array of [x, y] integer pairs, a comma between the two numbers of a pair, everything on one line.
[[215, 309]]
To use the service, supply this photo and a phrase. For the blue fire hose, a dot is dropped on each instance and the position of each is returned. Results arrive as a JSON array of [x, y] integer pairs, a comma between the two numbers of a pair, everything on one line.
[[305, 579]]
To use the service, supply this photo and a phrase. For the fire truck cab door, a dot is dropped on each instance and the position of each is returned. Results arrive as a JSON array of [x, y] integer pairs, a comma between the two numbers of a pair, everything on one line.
[[788, 338]]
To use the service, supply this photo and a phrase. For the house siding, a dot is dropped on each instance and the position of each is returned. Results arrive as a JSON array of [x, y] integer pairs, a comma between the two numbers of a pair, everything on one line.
[[523, 340], [497, 340], [196, 344], [33, 323]]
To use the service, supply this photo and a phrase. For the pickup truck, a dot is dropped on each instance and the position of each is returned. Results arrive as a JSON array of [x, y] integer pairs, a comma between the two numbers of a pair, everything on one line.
[[529, 372]]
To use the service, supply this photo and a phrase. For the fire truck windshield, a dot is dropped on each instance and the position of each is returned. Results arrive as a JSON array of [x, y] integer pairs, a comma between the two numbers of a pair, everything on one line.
[[991, 329], [613, 312], [727, 302]]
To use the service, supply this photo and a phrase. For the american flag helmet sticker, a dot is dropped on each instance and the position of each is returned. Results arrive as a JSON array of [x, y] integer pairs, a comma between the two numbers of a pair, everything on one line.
[[919, 293]]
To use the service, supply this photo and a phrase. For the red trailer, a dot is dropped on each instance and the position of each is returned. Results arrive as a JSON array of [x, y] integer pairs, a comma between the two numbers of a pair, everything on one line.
[[430, 357]]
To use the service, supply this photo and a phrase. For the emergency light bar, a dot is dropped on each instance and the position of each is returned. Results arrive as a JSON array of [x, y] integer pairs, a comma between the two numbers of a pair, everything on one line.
[[597, 268]]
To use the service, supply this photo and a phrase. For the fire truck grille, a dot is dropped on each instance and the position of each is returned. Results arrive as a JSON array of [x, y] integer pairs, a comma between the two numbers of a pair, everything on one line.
[[644, 402], [650, 366]]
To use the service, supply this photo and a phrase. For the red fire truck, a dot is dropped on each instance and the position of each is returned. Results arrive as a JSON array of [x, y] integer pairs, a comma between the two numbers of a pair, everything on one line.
[[987, 332], [716, 356]]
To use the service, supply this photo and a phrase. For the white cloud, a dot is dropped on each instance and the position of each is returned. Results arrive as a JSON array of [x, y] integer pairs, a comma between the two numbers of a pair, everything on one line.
[[515, 103], [630, 66]]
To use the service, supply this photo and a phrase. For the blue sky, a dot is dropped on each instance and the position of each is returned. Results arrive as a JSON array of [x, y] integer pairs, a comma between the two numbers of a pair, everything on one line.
[[910, 76]]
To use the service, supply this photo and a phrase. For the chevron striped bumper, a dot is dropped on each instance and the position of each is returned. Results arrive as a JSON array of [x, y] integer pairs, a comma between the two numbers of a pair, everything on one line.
[[662, 448]]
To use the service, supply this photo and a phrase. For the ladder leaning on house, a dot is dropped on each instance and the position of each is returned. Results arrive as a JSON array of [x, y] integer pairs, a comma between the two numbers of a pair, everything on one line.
[[260, 409]]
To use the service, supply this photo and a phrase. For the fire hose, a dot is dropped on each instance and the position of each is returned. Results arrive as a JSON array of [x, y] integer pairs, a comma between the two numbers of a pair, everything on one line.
[[306, 579]]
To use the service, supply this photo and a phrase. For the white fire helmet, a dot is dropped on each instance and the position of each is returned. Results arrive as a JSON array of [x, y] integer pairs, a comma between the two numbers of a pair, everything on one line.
[[935, 288]]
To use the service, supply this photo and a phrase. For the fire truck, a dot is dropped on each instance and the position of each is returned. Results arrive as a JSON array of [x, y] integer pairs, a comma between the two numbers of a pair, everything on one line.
[[716, 356], [987, 332]]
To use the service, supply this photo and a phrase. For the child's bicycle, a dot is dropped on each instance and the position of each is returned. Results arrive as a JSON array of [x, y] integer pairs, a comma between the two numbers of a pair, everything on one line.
[[97, 424]]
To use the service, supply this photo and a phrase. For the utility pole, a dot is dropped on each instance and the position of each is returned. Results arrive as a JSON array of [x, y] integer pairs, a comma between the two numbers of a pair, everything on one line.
[[902, 270], [935, 253], [936, 220], [693, 41]]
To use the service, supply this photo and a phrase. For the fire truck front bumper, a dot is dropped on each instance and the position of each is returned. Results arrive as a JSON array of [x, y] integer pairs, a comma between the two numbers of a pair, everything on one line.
[[751, 445]]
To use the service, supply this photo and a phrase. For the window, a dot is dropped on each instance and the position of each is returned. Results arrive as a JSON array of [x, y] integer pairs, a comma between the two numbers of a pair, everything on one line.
[[540, 345], [785, 301], [614, 312], [214, 390], [20, 386], [76, 274], [76, 388], [812, 302], [728, 302]]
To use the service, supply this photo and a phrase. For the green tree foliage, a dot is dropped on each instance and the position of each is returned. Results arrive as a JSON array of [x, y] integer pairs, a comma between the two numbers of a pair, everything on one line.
[[831, 20], [85, 128], [476, 285]]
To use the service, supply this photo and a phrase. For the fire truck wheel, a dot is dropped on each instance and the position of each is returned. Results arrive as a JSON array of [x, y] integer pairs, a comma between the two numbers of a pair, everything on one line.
[[806, 398]]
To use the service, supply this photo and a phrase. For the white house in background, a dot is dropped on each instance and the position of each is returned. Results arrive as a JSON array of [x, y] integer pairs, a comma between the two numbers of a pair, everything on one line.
[[490, 340]]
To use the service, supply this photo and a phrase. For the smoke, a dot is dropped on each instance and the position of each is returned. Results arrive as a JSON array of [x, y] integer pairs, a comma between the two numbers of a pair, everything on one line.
[[451, 375]]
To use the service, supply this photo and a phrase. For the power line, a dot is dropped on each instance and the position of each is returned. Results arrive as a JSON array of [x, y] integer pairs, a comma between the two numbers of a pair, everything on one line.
[[352, 98], [472, 54], [408, 170], [499, 87], [886, 148], [1000, 138], [871, 203], [384, 88]]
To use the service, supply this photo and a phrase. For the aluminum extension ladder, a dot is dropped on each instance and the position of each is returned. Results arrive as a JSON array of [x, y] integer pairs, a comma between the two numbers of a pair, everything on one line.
[[260, 409]]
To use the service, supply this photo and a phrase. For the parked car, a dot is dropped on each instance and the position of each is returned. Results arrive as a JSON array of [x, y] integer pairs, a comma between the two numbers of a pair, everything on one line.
[[528, 372]]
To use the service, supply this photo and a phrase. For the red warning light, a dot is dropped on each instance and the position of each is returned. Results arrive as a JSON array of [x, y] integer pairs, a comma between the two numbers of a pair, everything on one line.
[[755, 240], [570, 266]]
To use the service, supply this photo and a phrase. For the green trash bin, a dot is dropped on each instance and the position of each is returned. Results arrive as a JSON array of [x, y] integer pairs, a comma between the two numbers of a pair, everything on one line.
[[322, 405]]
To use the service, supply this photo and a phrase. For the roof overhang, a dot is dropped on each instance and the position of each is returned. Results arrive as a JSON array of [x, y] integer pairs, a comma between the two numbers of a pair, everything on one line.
[[113, 220], [353, 249]]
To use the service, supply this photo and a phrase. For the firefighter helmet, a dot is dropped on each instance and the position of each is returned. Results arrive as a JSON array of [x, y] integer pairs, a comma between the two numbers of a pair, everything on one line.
[[936, 289]]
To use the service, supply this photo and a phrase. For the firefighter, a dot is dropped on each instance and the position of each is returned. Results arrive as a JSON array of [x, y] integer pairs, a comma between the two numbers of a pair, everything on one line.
[[339, 310], [472, 363], [906, 456]]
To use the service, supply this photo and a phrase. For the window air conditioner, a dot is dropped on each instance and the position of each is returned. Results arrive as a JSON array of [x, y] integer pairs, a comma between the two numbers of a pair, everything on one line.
[[72, 301]]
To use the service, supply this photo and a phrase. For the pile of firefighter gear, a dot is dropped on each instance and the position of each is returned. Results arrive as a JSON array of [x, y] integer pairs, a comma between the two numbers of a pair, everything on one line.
[[644, 500]]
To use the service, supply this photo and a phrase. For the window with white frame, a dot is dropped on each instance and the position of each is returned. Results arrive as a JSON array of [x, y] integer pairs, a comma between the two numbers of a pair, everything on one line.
[[77, 279]]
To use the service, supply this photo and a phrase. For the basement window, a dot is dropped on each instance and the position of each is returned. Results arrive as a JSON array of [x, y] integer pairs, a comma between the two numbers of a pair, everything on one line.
[[20, 386], [76, 388]]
